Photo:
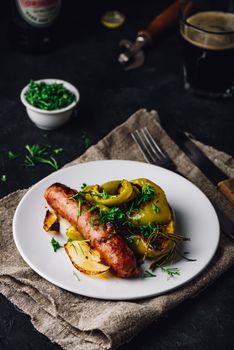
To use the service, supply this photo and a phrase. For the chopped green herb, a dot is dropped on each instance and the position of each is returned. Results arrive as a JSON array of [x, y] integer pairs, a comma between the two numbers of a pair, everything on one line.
[[148, 273], [48, 96], [155, 208], [29, 162], [12, 155], [58, 150], [170, 271], [145, 195], [105, 195], [37, 154], [130, 241], [83, 185], [93, 208], [113, 214], [75, 196], [87, 141], [37, 150], [4, 178], [69, 239], [51, 161], [55, 244], [80, 202], [109, 236], [147, 230]]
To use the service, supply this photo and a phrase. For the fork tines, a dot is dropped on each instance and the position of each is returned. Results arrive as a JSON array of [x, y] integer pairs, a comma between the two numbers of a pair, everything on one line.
[[149, 147]]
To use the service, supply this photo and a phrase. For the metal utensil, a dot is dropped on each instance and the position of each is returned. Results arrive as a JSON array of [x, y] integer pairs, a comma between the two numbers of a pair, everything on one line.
[[133, 56], [211, 171], [153, 154]]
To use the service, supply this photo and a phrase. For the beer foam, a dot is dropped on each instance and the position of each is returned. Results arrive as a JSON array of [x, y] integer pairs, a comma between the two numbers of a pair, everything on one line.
[[213, 28]]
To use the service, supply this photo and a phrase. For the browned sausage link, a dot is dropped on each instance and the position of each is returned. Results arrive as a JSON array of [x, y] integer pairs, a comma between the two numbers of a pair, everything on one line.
[[113, 249]]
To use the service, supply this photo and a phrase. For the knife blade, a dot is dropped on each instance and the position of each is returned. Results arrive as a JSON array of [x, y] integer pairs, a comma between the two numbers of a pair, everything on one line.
[[210, 170]]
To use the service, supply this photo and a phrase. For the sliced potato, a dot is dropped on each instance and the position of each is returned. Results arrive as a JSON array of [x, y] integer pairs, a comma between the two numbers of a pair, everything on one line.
[[73, 234], [84, 258], [51, 222]]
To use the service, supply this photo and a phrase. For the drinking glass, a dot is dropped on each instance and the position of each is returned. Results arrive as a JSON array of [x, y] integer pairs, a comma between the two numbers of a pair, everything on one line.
[[207, 30]]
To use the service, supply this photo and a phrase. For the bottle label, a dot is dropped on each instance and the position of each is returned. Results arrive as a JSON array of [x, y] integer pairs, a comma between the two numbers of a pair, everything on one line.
[[39, 13]]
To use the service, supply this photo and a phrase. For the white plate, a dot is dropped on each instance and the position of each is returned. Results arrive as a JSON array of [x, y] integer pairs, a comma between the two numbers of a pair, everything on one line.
[[195, 215]]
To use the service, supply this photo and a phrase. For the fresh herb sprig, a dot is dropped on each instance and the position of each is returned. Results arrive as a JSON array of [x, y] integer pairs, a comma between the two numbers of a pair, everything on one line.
[[145, 195], [4, 178], [113, 214], [12, 155], [39, 154], [81, 194], [55, 244], [148, 273], [170, 271], [48, 96]]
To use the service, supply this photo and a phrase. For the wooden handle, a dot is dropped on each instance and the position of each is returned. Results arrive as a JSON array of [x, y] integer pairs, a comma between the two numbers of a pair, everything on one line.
[[163, 21], [227, 189]]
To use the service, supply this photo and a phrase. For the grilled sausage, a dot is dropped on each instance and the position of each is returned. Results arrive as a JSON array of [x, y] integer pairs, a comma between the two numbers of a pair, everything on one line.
[[113, 249]]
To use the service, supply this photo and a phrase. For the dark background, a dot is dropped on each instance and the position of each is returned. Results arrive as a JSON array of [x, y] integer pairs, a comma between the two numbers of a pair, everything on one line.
[[87, 57]]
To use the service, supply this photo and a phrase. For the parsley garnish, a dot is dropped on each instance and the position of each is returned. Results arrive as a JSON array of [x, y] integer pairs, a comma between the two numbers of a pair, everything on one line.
[[113, 214], [58, 150], [55, 244], [147, 230], [4, 178], [93, 208], [48, 96], [130, 241], [83, 185], [80, 202], [145, 195], [37, 154], [12, 155], [155, 208]]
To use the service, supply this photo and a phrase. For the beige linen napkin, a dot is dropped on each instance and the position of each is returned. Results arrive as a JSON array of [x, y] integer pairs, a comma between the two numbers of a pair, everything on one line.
[[80, 323]]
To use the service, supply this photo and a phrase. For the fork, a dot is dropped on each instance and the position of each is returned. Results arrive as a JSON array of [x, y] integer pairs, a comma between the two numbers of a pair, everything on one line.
[[151, 151], [153, 154]]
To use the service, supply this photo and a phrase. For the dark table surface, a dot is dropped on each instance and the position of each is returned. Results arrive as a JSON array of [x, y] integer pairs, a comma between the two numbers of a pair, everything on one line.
[[87, 58]]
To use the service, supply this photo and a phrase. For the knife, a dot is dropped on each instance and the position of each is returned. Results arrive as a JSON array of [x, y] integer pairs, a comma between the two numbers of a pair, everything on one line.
[[210, 170]]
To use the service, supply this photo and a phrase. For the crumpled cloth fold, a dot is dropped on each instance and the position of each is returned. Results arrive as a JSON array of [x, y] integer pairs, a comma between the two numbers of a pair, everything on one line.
[[79, 323]]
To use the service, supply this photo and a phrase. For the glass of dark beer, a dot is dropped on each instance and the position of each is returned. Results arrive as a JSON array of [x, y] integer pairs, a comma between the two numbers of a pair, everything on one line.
[[207, 29]]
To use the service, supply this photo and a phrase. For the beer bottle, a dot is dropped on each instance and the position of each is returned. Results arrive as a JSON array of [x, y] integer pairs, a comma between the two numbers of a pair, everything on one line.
[[34, 24]]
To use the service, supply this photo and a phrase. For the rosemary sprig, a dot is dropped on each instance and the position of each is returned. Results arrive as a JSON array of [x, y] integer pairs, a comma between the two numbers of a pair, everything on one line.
[[148, 273], [170, 271]]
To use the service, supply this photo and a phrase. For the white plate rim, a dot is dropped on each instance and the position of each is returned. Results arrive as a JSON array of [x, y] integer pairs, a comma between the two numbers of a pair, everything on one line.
[[132, 162]]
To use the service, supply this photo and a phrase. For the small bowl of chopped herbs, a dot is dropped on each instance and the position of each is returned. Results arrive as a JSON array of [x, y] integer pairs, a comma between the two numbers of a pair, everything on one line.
[[49, 102]]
